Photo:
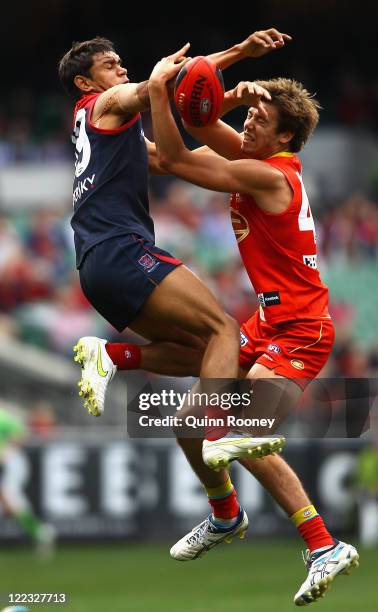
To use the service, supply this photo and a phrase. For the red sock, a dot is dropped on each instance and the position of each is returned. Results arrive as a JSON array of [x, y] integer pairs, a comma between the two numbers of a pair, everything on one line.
[[223, 500], [312, 528], [124, 355], [315, 533], [226, 508]]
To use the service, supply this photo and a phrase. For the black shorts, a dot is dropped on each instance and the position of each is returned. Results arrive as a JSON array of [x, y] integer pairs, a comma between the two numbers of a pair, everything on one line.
[[118, 275]]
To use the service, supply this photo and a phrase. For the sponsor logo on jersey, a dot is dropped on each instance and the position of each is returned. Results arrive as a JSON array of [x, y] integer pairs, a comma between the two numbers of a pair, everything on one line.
[[269, 298], [267, 356], [148, 262], [297, 364], [239, 224], [82, 187], [310, 261], [243, 339], [274, 348]]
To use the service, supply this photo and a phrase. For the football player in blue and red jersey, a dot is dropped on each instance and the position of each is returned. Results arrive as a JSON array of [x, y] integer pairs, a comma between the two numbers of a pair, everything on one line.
[[125, 276]]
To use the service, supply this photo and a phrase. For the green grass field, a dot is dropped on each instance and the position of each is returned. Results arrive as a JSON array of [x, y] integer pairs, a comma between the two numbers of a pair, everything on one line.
[[250, 576]]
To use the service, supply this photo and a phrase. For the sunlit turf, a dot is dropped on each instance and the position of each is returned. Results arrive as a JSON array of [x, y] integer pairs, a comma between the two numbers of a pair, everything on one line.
[[251, 576]]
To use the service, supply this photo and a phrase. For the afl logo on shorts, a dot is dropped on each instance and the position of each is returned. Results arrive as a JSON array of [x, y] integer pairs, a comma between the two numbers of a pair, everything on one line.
[[239, 224], [297, 364], [274, 348]]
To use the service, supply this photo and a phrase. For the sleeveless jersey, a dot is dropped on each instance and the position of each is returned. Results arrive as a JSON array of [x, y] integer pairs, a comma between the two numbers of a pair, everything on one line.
[[110, 190], [279, 251]]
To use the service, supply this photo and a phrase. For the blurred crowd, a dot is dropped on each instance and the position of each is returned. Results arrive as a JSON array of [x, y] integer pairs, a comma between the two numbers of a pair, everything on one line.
[[41, 300], [349, 230], [34, 128]]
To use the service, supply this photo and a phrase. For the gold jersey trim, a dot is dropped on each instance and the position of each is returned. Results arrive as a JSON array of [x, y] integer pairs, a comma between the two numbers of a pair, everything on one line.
[[282, 154]]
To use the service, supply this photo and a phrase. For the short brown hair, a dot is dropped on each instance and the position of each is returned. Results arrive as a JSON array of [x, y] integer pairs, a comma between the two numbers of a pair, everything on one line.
[[297, 109], [79, 60]]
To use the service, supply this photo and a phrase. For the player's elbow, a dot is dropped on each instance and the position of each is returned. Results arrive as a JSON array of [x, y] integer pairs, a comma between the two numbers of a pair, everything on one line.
[[166, 162], [173, 158]]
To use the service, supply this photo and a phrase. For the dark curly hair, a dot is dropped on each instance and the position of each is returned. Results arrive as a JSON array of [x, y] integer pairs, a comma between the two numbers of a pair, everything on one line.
[[79, 60]]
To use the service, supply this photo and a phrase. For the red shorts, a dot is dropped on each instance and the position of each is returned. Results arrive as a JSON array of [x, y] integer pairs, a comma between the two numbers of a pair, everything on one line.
[[296, 349]]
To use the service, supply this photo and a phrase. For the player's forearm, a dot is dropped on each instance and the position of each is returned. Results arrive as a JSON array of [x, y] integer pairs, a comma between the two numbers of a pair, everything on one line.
[[168, 141], [153, 165], [143, 95], [219, 137], [230, 102], [126, 99], [224, 59]]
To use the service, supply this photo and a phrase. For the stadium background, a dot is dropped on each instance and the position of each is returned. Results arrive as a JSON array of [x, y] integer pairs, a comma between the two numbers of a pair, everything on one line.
[[84, 475]]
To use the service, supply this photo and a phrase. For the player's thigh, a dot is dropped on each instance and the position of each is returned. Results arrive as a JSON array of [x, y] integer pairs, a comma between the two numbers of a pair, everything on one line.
[[258, 370], [181, 299], [147, 327]]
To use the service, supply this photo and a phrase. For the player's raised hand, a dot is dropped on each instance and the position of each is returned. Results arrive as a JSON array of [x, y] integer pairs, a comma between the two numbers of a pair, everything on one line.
[[251, 94], [169, 66], [262, 42]]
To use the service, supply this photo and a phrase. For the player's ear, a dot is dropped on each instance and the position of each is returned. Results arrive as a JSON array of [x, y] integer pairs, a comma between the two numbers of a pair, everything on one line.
[[285, 137], [83, 83]]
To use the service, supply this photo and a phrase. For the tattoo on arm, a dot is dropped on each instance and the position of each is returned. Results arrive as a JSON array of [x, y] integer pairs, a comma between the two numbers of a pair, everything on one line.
[[143, 94], [107, 106]]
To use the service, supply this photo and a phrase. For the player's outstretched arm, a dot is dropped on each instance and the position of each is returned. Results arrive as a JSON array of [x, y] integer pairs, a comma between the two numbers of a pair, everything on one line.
[[219, 136], [153, 159], [120, 103], [123, 101], [255, 45], [209, 171]]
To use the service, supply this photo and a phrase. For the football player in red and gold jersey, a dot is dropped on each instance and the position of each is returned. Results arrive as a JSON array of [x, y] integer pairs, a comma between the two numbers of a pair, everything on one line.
[[272, 220], [291, 336]]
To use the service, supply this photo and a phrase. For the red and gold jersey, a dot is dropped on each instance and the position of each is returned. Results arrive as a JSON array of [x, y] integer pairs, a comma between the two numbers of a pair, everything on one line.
[[279, 251]]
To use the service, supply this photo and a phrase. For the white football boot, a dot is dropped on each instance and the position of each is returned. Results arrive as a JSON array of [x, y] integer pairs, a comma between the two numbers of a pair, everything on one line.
[[205, 536], [96, 373], [217, 454], [323, 567]]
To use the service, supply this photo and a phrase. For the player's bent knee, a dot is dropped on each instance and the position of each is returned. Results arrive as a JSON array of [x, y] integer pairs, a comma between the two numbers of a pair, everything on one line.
[[224, 325], [232, 324]]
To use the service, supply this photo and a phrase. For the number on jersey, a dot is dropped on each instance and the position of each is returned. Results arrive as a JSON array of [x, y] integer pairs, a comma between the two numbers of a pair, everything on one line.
[[305, 219], [83, 146]]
